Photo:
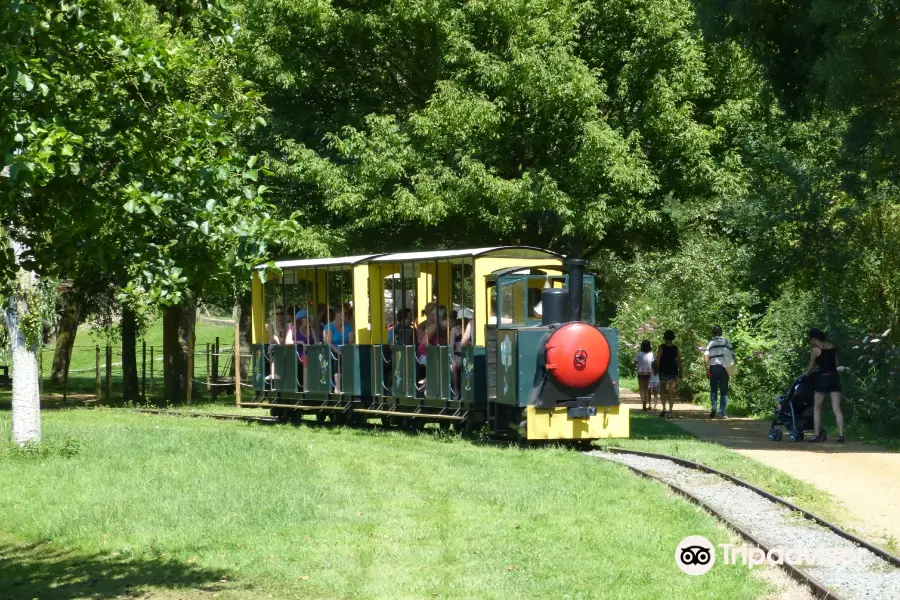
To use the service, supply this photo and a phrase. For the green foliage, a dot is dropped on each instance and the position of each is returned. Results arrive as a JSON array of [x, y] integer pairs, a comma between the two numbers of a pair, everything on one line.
[[124, 148], [570, 125]]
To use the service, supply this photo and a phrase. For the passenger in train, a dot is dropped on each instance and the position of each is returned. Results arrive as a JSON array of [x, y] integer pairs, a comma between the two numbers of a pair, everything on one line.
[[277, 330], [402, 334], [305, 335], [337, 333], [461, 334], [323, 316], [278, 333], [422, 341]]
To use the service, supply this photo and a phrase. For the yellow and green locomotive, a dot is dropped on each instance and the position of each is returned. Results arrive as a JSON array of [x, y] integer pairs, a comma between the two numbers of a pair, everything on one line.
[[502, 338]]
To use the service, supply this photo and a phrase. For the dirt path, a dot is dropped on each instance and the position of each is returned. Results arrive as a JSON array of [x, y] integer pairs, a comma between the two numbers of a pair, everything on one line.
[[865, 478]]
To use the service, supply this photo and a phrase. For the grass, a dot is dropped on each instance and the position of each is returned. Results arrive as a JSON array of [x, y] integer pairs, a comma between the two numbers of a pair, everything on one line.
[[117, 503]]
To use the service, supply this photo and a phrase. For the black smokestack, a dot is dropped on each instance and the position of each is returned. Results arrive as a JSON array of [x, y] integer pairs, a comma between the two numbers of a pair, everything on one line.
[[576, 285]]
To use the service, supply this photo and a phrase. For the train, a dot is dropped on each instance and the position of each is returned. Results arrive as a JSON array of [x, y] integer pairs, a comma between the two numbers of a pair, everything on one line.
[[499, 340]]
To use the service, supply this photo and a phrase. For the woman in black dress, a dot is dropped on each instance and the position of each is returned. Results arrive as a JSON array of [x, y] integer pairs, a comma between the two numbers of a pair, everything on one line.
[[824, 356], [668, 365]]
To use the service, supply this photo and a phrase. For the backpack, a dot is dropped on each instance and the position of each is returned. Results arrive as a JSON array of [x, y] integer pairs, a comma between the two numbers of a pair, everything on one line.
[[730, 365]]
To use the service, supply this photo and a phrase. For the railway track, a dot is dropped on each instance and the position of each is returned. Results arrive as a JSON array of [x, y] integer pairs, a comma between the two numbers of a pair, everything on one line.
[[217, 416], [877, 575]]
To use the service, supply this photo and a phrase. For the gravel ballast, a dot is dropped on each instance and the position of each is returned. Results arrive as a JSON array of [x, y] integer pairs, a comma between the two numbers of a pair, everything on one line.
[[866, 576]]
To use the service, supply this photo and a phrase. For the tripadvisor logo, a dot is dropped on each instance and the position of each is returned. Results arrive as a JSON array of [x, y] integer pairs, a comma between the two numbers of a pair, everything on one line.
[[695, 555]]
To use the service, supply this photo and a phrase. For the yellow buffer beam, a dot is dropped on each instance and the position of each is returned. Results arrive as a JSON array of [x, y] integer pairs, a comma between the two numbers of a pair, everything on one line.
[[554, 424]]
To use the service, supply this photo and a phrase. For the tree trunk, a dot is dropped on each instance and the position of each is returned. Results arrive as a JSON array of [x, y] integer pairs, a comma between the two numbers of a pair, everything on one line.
[[26, 396], [129, 355], [65, 337], [186, 329], [178, 333], [245, 332], [174, 364]]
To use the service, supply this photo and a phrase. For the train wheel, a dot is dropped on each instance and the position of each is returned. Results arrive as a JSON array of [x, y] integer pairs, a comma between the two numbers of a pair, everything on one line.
[[321, 417], [444, 426], [339, 418]]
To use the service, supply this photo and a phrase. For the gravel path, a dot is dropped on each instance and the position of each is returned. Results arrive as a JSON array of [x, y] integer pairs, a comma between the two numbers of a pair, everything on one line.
[[866, 577]]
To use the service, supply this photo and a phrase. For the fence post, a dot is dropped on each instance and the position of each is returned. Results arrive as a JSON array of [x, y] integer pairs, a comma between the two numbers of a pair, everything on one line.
[[151, 369], [236, 358], [98, 373], [109, 372], [144, 371], [215, 371], [208, 388]]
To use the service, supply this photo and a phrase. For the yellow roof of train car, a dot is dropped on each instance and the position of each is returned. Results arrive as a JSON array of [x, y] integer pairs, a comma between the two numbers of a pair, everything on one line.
[[420, 256]]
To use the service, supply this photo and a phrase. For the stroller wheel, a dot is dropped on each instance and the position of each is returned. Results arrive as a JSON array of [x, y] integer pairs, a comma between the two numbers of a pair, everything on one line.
[[773, 434], [796, 436], [778, 435]]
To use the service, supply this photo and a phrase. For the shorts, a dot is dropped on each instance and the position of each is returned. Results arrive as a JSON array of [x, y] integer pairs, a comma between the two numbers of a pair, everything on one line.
[[644, 376], [668, 376], [827, 382]]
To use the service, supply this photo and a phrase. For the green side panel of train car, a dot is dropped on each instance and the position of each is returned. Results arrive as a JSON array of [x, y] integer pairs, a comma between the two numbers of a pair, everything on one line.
[[285, 359], [506, 366], [467, 376], [356, 369], [376, 368], [258, 351], [437, 372], [403, 361], [481, 376], [529, 351], [319, 369]]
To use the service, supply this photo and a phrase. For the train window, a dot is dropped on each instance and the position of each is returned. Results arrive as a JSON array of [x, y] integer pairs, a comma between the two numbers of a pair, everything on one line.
[[588, 300], [492, 303], [512, 302]]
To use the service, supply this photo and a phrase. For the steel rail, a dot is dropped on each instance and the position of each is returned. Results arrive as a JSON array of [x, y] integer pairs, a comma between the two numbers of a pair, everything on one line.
[[817, 587], [217, 416], [879, 552]]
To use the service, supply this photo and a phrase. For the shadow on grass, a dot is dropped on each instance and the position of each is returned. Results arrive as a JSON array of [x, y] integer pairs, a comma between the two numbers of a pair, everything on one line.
[[41, 570]]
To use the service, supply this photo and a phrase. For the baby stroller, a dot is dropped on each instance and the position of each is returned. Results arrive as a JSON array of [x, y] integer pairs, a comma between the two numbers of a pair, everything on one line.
[[795, 411]]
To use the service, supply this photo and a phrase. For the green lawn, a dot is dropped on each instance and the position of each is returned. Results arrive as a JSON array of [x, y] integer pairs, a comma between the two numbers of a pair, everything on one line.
[[119, 503], [82, 370]]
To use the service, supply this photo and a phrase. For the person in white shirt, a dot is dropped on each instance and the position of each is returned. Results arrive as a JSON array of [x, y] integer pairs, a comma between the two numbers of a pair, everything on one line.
[[644, 363], [718, 356]]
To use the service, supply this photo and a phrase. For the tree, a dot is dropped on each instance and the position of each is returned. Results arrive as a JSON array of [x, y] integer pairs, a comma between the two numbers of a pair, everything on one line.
[[571, 125], [122, 143]]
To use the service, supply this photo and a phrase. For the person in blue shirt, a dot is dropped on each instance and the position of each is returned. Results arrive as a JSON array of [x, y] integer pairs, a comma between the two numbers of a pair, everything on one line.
[[338, 333]]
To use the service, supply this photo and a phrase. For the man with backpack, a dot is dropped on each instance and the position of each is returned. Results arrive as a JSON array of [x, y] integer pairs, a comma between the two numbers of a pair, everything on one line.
[[720, 366]]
